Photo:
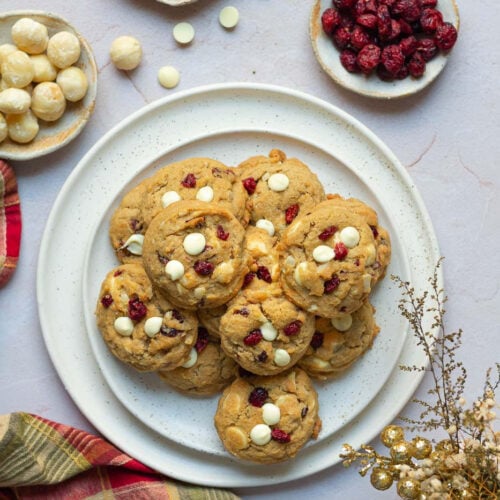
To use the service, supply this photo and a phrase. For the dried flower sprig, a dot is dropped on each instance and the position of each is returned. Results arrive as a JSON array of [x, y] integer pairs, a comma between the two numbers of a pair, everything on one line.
[[467, 464]]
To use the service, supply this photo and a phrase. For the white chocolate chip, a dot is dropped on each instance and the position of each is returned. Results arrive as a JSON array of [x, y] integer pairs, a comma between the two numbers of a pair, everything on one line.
[[260, 434], [371, 254], [168, 76], [126, 52], [349, 236], [278, 182], [290, 261], [271, 414], [266, 225], [342, 323], [206, 193], [281, 357], [323, 253], [170, 197], [268, 331], [183, 33], [299, 270], [134, 244], [174, 269], [193, 357], [229, 17], [200, 292], [194, 243], [124, 326], [153, 325], [367, 283], [312, 308]]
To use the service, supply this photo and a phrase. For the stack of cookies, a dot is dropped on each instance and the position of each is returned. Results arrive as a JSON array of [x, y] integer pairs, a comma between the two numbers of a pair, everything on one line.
[[247, 280]]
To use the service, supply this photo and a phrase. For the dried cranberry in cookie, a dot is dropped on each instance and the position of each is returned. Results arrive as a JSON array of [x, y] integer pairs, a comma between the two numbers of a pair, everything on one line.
[[140, 327], [187, 259], [268, 419]]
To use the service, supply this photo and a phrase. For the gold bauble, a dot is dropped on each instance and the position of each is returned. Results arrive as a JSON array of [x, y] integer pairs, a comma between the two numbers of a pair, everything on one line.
[[391, 435], [381, 479], [422, 447], [409, 489], [467, 494], [445, 445], [401, 452]]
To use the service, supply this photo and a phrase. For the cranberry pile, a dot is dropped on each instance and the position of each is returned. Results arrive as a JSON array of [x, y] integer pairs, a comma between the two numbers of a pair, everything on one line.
[[392, 38]]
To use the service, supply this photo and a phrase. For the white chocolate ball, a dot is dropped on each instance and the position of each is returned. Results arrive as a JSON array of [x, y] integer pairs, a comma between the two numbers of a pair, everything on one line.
[[63, 49], [17, 69], [4, 131], [126, 52], [168, 76], [45, 71], [73, 83], [47, 101], [14, 101], [5, 50], [30, 36], [22, 128]]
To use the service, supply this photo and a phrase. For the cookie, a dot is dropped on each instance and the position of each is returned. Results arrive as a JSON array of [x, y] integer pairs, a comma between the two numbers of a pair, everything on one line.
[[338, 343], [194, 252], [141, 327], [324, 256], [268, 419], [279, 189], [210, 319], [201, 179], [265, 336], [207, 371]]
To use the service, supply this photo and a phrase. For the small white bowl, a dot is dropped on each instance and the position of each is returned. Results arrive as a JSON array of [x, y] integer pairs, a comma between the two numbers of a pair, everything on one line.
[[372, 86], [57, 134]]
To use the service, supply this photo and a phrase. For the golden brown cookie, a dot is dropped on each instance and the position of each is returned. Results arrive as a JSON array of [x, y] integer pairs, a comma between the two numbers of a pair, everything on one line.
[[338, 343], [140, 326], [268, 419], [210, 319]]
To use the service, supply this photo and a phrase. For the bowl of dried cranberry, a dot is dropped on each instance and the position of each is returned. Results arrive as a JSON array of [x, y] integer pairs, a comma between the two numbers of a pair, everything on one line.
[[384, 48]]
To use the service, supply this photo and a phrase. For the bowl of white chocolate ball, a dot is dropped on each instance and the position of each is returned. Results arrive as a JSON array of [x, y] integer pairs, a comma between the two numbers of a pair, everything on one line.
[[48, 84]]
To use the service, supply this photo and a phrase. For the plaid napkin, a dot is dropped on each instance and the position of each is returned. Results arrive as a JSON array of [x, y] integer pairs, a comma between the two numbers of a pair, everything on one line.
[[10, 222], [41, 459]]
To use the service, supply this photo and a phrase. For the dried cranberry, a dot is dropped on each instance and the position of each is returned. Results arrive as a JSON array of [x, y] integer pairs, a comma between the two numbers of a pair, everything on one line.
[[244, 373], [346, 21], [221, 234], [403, 72], [280, 436], [242, 312], [293, 328], [348, 60], [117, 273], [202, 340], [262, 356], [395, 30], [253, 338], [250, 184], [428, 3], [384, 74], [430, 20], [408, 45], [389, 3], [343, 4], [135, 225], [177, 315], [374, 231], [416, 65], [359, 38], [327, 233], [392, 58], [162, 259], [446, 36], [189, 181], [248, 279], [368, 58], [340, 250], [136, 309], [409, 10], [203, 268], [217, 172], [330, 19], [406, 27], [332, 284], [367, 20], [364, 7], [291, 212], [169, 332], [258, 397], [264, 274], [384, 22], [342, 37], [106, 300], [304, 411], [317, 340], [427, 48]]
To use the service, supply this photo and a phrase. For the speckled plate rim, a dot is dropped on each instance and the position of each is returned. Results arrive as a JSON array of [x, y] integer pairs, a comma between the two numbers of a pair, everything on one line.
[[59, 275], [328, 57], [52, 137]]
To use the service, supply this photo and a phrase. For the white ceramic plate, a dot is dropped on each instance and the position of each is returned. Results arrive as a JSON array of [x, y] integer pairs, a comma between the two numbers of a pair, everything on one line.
[[173, 433], [372, 86], [53, 135]]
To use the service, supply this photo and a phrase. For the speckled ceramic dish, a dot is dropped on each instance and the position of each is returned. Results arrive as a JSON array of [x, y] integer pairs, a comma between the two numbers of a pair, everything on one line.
[[372, 86], [56, 134]]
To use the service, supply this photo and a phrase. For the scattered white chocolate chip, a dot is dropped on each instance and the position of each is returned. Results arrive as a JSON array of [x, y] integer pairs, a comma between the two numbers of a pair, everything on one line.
[[260, 434], [206, 193], [134, 244], [342, 323], [281, 357], [349, 236], [170, 197], [278, 182], [153, 325], [266, 225], [290, 261], [126, 52], [73, 83], [63, 49], [168, 76], [229, 17], [271, 413], [371, 254], [14, 101], [174, 269], [200, 292], [193, 357], [183, 33], [17, 69], [29, 35], [194, 243], [268, 331], [47, 101], [323, 253], [22, 128], [124, 326]]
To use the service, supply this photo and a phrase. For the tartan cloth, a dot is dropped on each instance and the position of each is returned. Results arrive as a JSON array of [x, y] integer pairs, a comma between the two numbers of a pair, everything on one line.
[[10, 223], [41, 459]]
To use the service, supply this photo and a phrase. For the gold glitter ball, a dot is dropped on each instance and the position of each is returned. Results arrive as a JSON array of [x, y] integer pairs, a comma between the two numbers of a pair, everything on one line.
[[401, 452], [381, 479], [422, 447], [409, 489], [391, 435]]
